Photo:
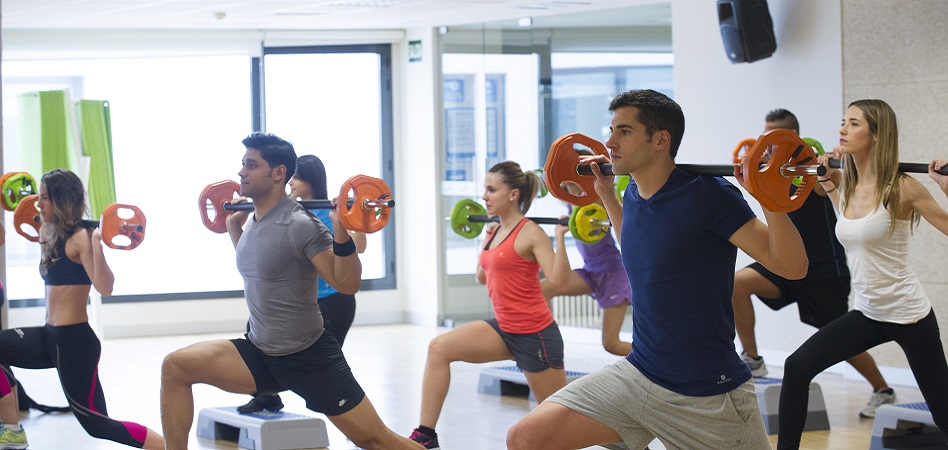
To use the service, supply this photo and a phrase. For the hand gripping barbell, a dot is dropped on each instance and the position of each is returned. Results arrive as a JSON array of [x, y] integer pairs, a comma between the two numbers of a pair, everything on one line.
[[26, 221], [371, 196], [769, 181], [588, 224]]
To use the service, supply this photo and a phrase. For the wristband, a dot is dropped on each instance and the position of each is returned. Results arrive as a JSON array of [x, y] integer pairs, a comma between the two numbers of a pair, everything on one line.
[[345, 249]]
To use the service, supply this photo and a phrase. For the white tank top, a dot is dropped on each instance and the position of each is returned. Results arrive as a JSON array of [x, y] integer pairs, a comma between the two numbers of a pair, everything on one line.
[[886, 290]]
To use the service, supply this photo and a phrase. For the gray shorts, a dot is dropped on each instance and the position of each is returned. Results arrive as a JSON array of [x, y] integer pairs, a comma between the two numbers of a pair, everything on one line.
[[534, 352], [622, 398]]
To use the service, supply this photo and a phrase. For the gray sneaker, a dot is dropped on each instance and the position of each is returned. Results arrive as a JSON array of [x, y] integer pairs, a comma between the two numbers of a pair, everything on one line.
[[879, 398], [756, 365]]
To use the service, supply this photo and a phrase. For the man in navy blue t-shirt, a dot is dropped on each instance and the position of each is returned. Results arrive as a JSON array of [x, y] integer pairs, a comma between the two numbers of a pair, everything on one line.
[[684, 382]]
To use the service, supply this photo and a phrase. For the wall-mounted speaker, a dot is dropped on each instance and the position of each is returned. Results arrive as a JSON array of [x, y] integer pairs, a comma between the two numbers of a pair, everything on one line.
[[746, 29]]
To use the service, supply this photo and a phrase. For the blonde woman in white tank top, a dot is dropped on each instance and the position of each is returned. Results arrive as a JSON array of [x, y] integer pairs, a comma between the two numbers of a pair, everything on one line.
[[878, 207]]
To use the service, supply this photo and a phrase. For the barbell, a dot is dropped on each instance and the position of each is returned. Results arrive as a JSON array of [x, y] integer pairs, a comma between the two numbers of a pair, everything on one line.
[[726, 170], [769, 180], [903, 167], [14, 187], [371, 196], [113, 228], [588, 224]]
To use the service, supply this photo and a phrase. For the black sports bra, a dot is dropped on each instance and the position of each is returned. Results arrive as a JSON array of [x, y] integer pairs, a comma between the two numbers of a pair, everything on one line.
[[65, 271]]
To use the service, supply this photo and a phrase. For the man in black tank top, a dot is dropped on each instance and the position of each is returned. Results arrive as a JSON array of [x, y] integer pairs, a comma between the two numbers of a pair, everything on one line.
[[821, 297]]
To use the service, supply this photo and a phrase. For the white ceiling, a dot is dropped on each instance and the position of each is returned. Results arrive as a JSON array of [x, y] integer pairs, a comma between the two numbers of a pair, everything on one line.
[[322, 14]]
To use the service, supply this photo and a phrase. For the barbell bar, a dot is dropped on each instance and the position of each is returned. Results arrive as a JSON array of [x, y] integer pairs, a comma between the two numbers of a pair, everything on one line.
[[769, 180], [314, 204], [372, 199], [718, 170], [723, 170], [588, 224], [903, 167], [111, 226]]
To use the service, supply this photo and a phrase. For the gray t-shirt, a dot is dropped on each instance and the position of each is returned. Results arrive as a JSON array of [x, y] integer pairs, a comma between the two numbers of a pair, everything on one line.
[[274, 256]]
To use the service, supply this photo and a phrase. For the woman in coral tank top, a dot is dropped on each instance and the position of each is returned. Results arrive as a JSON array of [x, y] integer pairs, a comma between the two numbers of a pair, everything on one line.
[[523, 329]]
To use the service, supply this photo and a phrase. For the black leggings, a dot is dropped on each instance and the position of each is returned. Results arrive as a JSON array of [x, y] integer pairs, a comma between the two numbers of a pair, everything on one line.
[[849, 336], [338, 312], [74, 351]]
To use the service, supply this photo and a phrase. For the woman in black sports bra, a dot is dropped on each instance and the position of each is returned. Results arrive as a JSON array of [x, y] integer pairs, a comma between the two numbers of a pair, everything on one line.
[[72, 263]]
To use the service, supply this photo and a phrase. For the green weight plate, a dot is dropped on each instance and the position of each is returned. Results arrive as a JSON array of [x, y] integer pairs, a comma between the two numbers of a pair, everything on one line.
[[817, 146], [459, 218], [622, 182], [16, 186]]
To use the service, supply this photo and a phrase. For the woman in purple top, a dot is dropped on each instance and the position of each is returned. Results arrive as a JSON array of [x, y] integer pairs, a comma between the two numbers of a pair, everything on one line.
[[603, 278]]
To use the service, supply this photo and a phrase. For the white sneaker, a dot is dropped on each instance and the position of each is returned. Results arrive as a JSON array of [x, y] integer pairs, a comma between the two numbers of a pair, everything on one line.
[[756, 365], [879, 398]]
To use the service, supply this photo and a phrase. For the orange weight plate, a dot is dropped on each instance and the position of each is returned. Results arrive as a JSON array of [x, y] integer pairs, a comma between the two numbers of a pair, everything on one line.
[[113, 225], [363, 216], [764, 178], [742, 148], [26, 218], [561, 165], [212, 198]]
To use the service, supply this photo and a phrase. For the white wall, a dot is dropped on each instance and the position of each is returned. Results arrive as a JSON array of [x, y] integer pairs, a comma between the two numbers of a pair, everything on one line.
[[895, 51], [417, 166], [725, 102]]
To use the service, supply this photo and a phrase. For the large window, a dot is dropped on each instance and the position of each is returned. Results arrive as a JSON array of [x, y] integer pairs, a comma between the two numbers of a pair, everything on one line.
[[176, 127], [335, 103]]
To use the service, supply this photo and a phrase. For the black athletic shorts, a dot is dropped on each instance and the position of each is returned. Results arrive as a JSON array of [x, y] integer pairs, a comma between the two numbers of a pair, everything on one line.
[[534, 352], [319, 374], [819, 301]]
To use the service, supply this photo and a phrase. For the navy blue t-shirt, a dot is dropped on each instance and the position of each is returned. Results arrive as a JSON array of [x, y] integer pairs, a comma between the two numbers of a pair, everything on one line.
[[681, 267]]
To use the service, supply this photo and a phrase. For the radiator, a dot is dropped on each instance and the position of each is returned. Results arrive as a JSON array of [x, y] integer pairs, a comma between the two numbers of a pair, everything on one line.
[[579, 311]]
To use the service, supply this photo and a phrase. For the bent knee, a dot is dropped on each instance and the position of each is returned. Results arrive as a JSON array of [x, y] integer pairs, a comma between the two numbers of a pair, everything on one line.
[[439, 348], [175, 366], [798, 367], [523, 436]]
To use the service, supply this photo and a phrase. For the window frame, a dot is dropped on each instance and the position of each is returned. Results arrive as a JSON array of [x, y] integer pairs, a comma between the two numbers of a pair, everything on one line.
[[387, 158]]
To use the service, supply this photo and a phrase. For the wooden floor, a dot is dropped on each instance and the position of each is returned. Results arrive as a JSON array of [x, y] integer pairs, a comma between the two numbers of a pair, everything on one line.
[[388, 362]]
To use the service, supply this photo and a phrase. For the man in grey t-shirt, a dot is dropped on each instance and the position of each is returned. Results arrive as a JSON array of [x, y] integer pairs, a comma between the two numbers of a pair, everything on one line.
[[280, 254]]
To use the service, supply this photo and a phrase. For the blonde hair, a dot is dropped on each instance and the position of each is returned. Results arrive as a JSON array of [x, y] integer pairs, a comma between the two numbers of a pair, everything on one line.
[[67, 199], [527, 183], [884, 158]]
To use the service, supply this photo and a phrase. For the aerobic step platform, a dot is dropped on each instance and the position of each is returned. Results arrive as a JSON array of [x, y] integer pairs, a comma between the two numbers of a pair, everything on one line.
[[768, 397], [510, 380], [905, 425], [262, 430]]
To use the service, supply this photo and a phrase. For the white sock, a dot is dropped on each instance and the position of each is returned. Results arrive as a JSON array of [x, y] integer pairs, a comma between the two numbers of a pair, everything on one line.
[[12, 427]]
